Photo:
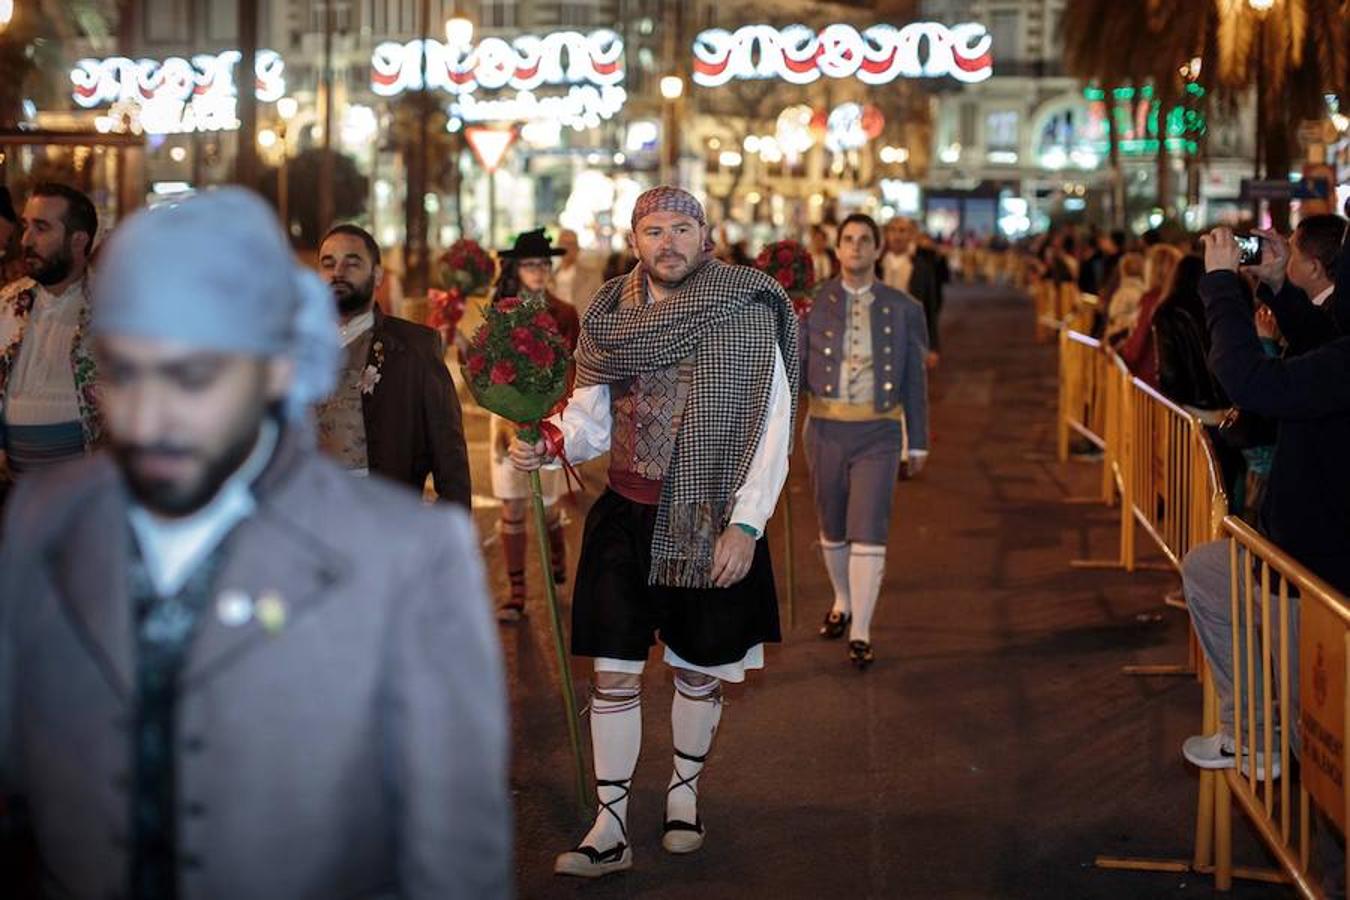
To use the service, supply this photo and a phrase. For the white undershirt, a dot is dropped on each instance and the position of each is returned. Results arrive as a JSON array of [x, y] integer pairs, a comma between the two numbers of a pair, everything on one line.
[[41, 389], [358, 326], [174, 548], [1322, 297], [587, 420]]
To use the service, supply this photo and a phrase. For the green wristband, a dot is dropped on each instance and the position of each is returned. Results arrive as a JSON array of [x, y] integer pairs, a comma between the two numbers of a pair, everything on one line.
[[748, 529]]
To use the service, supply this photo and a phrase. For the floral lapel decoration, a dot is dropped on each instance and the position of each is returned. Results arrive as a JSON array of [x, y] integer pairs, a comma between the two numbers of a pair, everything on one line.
[[22, 305], [372, 373]]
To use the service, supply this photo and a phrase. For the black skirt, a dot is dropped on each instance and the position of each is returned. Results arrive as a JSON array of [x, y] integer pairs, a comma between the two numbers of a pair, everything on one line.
[[616, 614]]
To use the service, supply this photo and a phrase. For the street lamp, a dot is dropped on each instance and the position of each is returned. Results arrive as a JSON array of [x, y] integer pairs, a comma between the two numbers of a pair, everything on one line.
[[672, 89], [287, 107], [458, 31]]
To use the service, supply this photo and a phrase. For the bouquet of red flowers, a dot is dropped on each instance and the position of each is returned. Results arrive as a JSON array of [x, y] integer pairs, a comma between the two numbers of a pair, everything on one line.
[[466, 268], [516, 366], [790, 265]]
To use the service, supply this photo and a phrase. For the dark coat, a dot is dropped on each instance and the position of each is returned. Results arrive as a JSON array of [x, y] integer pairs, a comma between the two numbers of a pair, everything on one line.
[[899, 346], [359, 749], [414, 426], [1307, 505]]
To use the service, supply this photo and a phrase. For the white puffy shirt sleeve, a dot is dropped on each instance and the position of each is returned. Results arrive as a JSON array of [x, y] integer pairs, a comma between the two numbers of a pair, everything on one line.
[[758, 496], [585, 424]]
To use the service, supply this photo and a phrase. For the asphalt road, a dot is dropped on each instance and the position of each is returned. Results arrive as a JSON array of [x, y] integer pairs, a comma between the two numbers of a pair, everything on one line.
[[993, 750]]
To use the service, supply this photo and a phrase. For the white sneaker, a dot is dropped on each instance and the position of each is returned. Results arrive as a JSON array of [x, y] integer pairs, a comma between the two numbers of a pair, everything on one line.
[[1219, 751]]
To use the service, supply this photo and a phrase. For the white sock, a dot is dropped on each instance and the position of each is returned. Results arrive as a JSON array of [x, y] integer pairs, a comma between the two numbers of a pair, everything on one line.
[[694, 715], [616, 738], [836, 563], [866, 564]]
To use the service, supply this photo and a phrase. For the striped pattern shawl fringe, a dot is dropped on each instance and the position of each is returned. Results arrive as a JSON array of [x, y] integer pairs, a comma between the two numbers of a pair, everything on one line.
[[728, 320]]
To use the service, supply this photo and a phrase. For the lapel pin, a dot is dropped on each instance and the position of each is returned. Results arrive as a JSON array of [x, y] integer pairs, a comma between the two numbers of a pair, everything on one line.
[[272, 612], [234, 608]]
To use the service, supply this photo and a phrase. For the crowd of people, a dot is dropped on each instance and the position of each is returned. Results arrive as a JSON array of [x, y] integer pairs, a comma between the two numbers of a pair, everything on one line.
[[1257, 349], [230, 624]]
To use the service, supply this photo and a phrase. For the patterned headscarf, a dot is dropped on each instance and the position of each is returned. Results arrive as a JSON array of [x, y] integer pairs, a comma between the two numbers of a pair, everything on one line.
[[217, 272], [668, 199]]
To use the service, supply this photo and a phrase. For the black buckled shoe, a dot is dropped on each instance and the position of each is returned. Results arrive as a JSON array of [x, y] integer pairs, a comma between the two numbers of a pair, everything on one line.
[[835, 625], [860, 654]]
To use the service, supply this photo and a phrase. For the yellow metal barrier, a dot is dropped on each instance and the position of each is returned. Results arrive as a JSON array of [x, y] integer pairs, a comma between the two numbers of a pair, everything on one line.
[[1287, 625]]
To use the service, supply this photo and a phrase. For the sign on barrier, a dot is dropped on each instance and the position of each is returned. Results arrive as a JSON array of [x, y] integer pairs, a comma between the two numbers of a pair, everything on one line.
[[1321, 669]]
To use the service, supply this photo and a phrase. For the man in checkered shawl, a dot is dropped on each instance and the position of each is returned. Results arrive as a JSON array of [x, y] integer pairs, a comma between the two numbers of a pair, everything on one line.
[[687, 373]]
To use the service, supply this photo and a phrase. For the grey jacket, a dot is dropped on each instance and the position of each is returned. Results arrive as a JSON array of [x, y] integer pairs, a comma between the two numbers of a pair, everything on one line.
[[899, 349], [360, 750]]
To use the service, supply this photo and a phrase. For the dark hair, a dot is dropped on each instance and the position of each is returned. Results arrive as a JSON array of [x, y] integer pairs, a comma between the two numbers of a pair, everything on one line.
[[356, 231], [7, 207], [861, 219], [1183, 286], [80, 214], [508, 280], [1320, 237]]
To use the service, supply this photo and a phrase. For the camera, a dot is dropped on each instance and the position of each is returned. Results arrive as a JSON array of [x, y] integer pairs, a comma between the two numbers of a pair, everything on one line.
[[1249, 247]]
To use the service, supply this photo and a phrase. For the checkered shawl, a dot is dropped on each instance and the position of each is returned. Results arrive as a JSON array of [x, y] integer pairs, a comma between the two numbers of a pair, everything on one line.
[[728, 320]]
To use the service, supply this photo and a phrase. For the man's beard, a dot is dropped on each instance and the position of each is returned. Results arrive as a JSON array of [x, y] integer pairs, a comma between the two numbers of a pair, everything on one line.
[[174, 500], [356, 299], [689, 268], [48, 272]]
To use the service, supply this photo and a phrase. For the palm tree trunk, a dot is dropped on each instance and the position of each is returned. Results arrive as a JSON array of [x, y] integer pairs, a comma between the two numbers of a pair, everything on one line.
[[1162, 102], [1117, 173]]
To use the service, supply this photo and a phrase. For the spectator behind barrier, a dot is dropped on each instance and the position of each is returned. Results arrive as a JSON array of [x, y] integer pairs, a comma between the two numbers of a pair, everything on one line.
[[1297, 281], [1122, 305], [1137, 351], [1306, 510]]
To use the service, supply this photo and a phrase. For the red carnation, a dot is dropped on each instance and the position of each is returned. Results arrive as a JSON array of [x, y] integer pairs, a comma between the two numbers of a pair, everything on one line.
[[503, 372], [507, 304], [541, 355], [480, 337], [477, 362], [546, 321], [785, 255], [521, 338], [784, 277]]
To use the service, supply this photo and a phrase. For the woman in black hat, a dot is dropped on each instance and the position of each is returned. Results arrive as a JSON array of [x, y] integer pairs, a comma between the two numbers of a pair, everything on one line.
[[525, 272]]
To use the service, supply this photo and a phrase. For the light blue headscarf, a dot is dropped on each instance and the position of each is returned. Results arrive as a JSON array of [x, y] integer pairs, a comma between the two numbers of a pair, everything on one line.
[[217, 272]]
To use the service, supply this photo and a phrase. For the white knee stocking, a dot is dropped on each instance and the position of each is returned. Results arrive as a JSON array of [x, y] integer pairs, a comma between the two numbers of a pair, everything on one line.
[[694, 715], [616, 739], [866, 564], [836, 555]]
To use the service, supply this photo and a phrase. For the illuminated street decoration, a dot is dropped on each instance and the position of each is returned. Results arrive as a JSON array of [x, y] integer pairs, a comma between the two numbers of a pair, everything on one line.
[[176, 95], [1136, 121], [878, 55], [851, 125], [591, 65]]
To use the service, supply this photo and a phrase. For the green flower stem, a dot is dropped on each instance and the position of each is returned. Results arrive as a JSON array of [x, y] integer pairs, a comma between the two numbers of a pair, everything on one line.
[[559, 644]]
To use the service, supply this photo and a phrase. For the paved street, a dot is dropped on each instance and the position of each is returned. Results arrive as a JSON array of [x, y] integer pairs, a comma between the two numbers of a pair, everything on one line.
[[993, 750]]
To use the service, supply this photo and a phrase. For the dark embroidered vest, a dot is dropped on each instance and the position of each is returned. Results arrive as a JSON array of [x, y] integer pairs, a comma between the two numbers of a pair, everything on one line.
[[164, 630]]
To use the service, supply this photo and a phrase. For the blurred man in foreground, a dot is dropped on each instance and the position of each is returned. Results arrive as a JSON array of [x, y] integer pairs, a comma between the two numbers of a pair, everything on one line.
[[227, 668]]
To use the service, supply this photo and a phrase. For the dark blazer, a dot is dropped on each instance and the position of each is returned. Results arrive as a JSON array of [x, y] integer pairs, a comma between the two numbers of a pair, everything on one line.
[[359, 749], [1307, 505], [414, 426], [899, 346]]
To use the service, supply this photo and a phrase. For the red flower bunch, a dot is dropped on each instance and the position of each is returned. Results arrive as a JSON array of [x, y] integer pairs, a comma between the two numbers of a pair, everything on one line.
[[467, 266], [789, 263], [517, 362], [445, 308]]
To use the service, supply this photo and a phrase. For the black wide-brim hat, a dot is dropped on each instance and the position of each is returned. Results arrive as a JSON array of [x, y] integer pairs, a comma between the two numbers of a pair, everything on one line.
[[531, 245]]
